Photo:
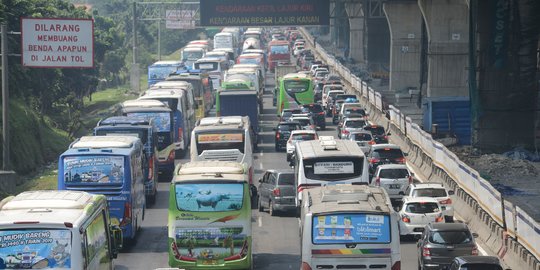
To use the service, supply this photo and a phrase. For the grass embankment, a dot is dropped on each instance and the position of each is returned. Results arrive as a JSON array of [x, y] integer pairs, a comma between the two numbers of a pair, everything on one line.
[[102, 104]]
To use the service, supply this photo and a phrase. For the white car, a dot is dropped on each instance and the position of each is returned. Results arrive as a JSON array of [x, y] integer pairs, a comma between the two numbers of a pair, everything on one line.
[[416, 213], [394, 178], [305, 121], [363, 138], [437, 191], [298, 49], [297, 136]]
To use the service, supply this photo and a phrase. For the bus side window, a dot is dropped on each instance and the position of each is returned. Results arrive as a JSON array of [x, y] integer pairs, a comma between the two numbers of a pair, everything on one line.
[[183, 105], [97, 242]]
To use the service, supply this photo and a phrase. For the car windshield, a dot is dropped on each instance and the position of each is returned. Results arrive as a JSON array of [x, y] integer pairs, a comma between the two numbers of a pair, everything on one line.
[[394, 173], [286, 179], [422, 207], [355, 124], [429, 192], [450, 237]]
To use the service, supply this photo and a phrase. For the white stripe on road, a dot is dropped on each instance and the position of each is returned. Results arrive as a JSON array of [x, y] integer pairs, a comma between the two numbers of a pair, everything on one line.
[[260, 221]]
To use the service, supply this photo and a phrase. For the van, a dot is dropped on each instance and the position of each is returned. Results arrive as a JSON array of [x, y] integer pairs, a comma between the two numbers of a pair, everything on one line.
[[210, 217], [349, 227], [57, 229], [112, 166], [145, 130]]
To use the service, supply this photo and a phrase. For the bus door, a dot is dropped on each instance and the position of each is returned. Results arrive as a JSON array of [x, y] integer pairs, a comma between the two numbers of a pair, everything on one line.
[[209, 225]]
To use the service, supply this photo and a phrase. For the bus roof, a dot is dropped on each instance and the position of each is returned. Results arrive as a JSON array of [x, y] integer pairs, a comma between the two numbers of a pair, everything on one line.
[[161, 93], [146, 103], [223, 122], [327, 146], [167, 63], [171, 84], [336, 198], [48, 207], [105, 142], [125, 120], [210, 170], [296, 76], [210, 59]]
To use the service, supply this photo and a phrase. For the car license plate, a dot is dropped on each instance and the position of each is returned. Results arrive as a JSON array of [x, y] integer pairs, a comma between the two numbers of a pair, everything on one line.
[[210, 262], [395, 186]]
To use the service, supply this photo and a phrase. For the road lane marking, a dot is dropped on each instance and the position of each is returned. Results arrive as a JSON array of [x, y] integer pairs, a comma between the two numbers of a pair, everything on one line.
[[260, 221]]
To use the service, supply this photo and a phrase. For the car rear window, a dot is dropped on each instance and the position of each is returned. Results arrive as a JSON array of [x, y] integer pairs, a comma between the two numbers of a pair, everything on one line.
[[394, 173], [421, 207], [429, 192], [286, 179], [359, 111], [303, 137], [285, 127], [315, 108], [375, 130], [480, 266], [388, 153], [355, 123], [450, 237], [303, 122], [362, 137]]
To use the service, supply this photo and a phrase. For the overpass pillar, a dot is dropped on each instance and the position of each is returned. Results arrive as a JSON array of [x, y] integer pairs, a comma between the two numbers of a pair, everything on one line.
[[357, 27], [405, 24], [447, 25]]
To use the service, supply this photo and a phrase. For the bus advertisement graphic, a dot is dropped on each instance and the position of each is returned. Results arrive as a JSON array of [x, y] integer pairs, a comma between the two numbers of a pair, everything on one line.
[[93, 169]]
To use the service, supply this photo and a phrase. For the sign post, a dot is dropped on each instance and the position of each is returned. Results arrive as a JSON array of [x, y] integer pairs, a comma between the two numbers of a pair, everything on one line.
[[57, 43]]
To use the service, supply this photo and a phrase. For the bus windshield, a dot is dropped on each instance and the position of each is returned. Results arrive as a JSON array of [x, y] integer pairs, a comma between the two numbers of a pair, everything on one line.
[[296, 86], [162, 120], [93, 169], [37, 248], [161, 72], [192, 55], [279, 49], [351, 228], [333, 168], [220, 140], [249, 60], [209, 197]]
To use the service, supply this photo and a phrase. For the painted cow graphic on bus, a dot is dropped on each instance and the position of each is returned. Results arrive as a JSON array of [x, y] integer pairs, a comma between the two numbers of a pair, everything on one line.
[[211, 200]]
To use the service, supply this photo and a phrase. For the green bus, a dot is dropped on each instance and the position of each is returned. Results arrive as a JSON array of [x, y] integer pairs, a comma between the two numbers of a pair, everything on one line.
[[209, 217], [295, 89], [234, 82]]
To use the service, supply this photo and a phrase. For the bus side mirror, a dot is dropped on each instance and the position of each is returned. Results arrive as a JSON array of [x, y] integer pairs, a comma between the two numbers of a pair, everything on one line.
[[117, 240]]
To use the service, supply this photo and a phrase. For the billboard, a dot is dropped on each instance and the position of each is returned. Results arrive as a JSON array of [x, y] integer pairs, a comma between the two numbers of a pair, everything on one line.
[[180, 19], [264, 13], [57, 43]]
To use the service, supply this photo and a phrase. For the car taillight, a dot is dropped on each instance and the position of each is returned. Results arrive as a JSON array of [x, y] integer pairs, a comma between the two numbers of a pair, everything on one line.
[[126, 219], [439, 218], [276, 192], [447, 201], [396, 266], [378, 181], [180, 134], [151, 168], [344, 131], [305, 266], [321, 113], [426, 252], [410, 180], [374, 160], [400, 160], [474, 251], [405, 219], [371, 142], [277, 136]]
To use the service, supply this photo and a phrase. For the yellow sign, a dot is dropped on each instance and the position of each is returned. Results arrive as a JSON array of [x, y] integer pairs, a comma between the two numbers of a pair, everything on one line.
[[220, 138]]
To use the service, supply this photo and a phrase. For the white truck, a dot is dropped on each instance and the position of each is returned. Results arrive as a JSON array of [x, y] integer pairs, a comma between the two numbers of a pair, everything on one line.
[[280, 71]]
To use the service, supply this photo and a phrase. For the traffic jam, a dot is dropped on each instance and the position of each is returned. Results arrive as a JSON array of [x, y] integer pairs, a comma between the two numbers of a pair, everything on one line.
[[347, 184]]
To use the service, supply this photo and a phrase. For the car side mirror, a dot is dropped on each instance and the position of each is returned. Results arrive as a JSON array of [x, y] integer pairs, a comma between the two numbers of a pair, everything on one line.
[[260, 180], [475, 235], [451, 192]]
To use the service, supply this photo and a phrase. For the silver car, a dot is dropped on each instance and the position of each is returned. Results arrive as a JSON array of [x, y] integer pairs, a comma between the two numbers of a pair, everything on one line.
[[350, 125], [277, 191], [364, 139], [394, 178]]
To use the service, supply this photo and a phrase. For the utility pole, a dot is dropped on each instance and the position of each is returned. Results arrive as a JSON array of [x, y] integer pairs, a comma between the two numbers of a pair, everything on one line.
[[135, 73], [5, 101]]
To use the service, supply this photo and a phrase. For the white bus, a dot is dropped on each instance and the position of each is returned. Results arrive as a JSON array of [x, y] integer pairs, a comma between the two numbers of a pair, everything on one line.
[[328, 162], [228, 138], [349, 227], [53, 229]]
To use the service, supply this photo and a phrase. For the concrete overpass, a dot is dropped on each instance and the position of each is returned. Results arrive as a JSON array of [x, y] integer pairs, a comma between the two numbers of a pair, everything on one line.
[[478, 57]]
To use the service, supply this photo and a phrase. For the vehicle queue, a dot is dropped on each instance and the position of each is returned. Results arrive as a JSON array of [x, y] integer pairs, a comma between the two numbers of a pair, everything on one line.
[[351, 206]]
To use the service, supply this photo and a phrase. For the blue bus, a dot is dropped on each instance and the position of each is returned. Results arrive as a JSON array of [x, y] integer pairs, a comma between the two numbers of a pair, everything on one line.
[[145, 130], [160, 70], [166, 125], [112, 166]]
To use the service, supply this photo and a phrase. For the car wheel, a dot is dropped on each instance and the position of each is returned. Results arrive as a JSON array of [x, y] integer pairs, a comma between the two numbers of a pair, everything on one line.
[[271, 209], [259, 203]]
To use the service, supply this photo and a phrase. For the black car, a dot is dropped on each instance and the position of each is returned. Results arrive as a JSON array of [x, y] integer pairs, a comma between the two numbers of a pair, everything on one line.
[[283, 132], [317, 114], [317, 91], [378, 132], [475, 263], [385, 154]]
